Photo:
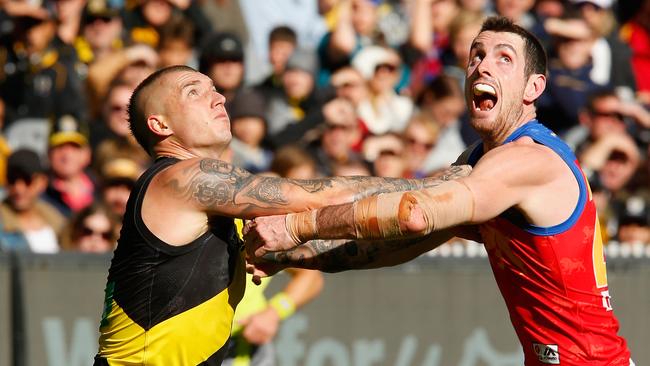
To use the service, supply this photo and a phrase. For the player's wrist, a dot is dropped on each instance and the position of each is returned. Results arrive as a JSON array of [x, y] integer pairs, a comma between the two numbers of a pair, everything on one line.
[[302, 226], [283, 305]]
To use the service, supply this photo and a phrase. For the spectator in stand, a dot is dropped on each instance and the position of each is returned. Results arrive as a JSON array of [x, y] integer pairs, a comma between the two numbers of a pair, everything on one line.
[[348, 83], [442, 101], [248, 125], [352, 168], [27, 222], [118, 177], [636, 33], [176, 46], [101, 32], [634, 221], [569, 81], [68, 15], [387, 154], [38, 77], [605, 113], [610, 56], [420, 138], [341, 138], [355, 28], [462, 31], [71, 188], [91, 231], [222, 59], [429, 44], [294, 162], [143, 23], [111, 137], [614, 159], [282, 43], [291, 114], [383, 110], [129, 65], [477, 6]]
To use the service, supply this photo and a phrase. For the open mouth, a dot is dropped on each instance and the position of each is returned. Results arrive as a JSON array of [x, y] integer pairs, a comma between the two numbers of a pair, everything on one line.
[[485, 97]]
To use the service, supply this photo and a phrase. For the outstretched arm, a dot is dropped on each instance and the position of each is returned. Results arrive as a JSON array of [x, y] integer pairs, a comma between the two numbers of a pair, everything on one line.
[[342, 255], [216, 187]]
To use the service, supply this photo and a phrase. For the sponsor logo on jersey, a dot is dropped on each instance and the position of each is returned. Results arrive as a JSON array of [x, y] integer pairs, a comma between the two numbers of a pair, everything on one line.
[[547, 353]]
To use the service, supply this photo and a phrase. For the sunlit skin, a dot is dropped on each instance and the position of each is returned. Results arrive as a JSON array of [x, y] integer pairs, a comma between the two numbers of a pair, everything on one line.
[[203, 132], [69, 160], [498, 60]]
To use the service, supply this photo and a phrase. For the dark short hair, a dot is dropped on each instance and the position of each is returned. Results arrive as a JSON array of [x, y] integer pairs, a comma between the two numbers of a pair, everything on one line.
[[535, 54], [283, 33], [597, 95], [137, 117]]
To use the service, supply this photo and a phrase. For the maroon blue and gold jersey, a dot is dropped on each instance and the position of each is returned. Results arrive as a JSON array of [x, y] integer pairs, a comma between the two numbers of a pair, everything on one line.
[[553, 279]]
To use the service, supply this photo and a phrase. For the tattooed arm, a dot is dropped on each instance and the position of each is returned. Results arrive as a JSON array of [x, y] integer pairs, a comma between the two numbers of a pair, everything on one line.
[[217, 187], [342, 255]]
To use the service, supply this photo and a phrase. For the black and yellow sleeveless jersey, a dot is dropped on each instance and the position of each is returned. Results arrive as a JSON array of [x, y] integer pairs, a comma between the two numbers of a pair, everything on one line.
[[170, 305]]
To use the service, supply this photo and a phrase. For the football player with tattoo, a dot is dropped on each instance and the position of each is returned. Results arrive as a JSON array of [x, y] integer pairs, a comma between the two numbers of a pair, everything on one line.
[[526, 199], [178, 271]]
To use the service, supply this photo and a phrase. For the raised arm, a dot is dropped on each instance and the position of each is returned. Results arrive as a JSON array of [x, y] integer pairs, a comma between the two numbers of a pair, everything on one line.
[[216, 187]]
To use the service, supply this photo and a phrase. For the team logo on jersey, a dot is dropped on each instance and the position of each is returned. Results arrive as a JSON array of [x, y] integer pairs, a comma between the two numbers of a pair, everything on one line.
[[547, 353]]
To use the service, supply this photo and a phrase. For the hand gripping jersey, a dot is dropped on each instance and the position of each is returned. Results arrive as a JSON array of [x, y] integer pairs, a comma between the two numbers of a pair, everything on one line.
[[553, 279], [170, 305]]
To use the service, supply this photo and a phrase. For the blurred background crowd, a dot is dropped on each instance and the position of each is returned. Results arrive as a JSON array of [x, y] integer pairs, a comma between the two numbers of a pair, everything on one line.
[[314, 88]]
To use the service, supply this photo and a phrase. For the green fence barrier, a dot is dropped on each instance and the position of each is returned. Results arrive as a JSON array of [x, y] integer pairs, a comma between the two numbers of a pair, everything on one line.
[[440, 311]]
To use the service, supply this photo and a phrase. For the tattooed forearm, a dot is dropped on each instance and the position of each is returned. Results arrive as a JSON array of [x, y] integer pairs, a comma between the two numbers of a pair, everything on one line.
[[217, 185], [342, 255]]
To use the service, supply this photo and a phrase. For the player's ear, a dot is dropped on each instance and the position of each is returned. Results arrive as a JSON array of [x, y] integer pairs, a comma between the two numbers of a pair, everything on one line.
[[534, 87], [158, 125]]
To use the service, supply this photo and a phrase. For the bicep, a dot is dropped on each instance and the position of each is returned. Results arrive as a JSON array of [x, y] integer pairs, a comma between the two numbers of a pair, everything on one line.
[[505, 177], [219, 188]]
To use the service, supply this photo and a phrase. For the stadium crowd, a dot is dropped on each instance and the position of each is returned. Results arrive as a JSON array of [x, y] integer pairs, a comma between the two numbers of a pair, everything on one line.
[[313, 88]]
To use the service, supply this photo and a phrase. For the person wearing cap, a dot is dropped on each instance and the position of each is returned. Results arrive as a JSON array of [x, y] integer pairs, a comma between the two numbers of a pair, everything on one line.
[[71, 187], [177, 273], [118, 177], [526, 199], [101, 32], [27, 221], [222, 59]]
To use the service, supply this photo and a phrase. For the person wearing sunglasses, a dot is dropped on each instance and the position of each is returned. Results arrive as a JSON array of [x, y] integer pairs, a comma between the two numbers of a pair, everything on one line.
[[91, 231]]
